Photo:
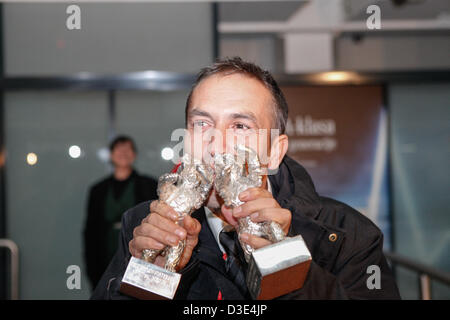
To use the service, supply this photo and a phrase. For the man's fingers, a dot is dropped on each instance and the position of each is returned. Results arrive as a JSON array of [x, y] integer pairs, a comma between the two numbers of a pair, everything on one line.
[[254, 206], [228, 215], [254, 193], [166, 225], [191, 225], [254, 241], [159, 229], [138, 244], [279, 215], [186, 256], [164, 210], [193, 228], [151, 231]]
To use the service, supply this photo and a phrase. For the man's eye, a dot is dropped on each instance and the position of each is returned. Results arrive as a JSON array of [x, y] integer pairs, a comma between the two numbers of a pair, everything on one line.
[[241, 126], [199, 123]]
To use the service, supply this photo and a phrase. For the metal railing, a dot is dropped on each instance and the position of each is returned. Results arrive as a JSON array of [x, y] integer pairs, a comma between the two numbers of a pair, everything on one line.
[[425, 273], [14, 266]]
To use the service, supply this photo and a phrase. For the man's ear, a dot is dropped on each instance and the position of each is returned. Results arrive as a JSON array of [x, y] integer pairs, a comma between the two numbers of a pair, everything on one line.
[[278, 150]]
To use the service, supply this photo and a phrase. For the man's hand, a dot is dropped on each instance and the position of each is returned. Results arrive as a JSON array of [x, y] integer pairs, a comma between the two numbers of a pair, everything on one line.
[[260, 206], [159, 229]]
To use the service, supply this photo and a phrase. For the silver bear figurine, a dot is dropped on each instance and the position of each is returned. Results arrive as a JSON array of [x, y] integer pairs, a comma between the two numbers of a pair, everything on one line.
[[185, 192], [235, 174]]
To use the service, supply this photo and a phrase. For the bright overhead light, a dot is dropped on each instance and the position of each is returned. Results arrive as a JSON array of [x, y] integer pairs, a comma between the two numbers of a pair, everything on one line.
[[32, 158], [336, 76], [167, 153], [74, 151], [103, 154]]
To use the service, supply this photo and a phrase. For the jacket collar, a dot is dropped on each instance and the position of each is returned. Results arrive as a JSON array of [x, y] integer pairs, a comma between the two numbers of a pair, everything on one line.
[[293, 187]]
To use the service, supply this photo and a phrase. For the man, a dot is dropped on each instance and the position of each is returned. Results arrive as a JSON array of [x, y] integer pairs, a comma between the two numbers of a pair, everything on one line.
[[107, 201], [233, 95]]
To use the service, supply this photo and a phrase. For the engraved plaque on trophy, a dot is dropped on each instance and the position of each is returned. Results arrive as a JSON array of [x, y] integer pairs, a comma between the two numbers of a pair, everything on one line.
[[144, 280], [278, 269]]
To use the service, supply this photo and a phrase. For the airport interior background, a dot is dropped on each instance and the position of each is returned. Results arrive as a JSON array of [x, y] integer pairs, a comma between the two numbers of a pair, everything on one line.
[[369, 116]]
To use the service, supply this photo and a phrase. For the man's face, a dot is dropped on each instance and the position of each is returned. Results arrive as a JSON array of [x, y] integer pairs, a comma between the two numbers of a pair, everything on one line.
[[226, 110], [123, 155]]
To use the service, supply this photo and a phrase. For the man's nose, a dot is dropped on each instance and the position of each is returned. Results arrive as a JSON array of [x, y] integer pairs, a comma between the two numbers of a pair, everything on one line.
[[217, 142]]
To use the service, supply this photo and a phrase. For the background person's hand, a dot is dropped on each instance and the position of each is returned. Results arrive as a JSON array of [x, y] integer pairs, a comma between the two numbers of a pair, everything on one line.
[[159, 229]]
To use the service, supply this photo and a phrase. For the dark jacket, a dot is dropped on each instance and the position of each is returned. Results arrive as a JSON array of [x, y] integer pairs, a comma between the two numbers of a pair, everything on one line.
[[94, 234], [340, 262]]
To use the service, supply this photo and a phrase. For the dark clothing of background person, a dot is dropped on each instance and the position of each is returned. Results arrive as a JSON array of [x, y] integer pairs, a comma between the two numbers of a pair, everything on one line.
[[340, 261], [107, 201]]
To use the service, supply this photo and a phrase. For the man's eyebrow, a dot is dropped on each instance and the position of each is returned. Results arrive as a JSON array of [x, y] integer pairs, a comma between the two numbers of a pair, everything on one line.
[[235, 116], [247, 115], [196, 112]]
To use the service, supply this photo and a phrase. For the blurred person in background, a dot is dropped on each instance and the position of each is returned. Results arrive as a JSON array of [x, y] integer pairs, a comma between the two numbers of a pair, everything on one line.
[[108, 199]]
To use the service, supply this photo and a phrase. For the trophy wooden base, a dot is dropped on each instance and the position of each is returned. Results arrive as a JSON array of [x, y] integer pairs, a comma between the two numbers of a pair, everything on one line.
[[278, 269], [147, 281]]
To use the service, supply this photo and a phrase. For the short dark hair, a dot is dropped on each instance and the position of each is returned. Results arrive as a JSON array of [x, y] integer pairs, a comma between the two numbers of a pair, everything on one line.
[[237, 65], [122, 139]]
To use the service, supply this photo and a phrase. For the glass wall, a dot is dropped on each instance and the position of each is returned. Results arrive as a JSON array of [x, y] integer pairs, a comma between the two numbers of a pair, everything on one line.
[[52, 143], [420, 136], [56, 144]]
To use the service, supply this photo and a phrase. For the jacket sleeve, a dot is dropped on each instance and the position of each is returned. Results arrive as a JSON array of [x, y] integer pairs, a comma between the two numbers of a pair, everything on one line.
[[109, 286], [352, 268]]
